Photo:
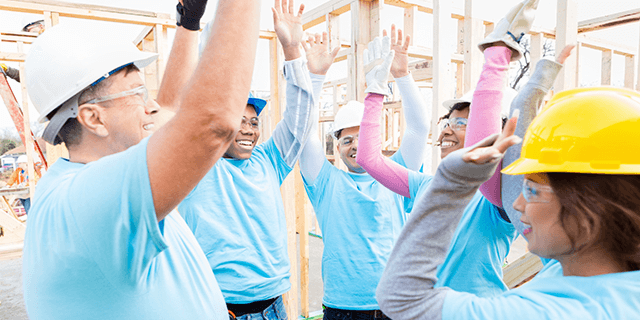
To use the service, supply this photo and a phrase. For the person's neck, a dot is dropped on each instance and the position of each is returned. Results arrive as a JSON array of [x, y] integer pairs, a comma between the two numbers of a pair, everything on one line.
[[88, 151], [592, 262]]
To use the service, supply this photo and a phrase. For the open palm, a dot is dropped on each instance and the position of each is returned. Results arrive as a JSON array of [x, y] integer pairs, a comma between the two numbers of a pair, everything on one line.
[[400, 64], [319, 59], [287, 25]]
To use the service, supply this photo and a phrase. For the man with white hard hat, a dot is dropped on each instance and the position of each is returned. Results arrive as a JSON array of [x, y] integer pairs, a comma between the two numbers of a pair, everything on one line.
[[103, 240], [359, 217]]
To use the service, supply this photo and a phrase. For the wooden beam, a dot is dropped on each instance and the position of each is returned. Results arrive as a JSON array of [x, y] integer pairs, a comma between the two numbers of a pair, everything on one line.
[[425, 6], [410, 21], [629, 71], [92, 12], [605, 74], [567, 33], [302, 227], [473, 58], [535, 51], [12, 56], [600, 44], [319, 14], [28, 141], [521, 269], [441, 67], [609, 21]]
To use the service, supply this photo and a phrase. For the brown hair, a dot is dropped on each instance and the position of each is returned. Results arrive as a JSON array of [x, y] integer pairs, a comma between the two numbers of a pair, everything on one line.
[[601, 209]]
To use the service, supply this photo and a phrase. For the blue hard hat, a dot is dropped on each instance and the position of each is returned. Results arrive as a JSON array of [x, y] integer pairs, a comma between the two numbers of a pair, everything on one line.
[[257, 103]]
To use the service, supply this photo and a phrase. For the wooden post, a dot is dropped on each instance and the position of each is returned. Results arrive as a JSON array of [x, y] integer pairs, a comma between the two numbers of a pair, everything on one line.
[[605, 75], [567, 33], [410, 16], [441, 67], [365, 26], [460, 67], [161, 47], [629, 69], [473, 34], [535, 51], [333, 29], [302, 226]]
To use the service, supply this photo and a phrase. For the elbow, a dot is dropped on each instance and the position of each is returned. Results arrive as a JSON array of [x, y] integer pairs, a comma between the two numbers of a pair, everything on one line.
[[390, 302]]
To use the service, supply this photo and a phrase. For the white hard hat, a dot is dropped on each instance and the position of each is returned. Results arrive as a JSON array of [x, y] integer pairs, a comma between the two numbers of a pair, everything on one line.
[[22, 159], [349, 115], [65, 60], [507, 96]]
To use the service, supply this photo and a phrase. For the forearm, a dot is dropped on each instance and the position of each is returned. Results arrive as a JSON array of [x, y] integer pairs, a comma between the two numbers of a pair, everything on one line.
[[181, 64], [527, 101], [293, 131], [484, 114], [406, 290], [369, 156], [414, 140], [216, 94], [312, 157], [13, 73]]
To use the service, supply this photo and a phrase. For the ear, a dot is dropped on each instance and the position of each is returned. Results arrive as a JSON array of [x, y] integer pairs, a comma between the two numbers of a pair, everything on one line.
[[91, 117]]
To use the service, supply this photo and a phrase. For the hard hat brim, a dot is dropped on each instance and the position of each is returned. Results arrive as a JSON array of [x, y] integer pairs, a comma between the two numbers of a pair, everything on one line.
[[528, 166], [257, 104]]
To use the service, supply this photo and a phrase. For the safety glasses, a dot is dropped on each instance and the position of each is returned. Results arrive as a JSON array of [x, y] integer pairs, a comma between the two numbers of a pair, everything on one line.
[[253, 123], [348, 140], [535, 192], [140, 91], [456, 124]]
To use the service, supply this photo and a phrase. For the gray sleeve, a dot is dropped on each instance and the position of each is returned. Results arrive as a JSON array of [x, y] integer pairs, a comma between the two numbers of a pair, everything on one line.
[[414, 140], [312, 157], [406, 290], [13, 73], [293, 131], [527, 101]]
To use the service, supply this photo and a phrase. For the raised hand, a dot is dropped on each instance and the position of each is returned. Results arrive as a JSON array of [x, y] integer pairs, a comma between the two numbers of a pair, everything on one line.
[[565, 53], [377, 60], [288, 27], [494, 152], [400, 64], [319, 59]]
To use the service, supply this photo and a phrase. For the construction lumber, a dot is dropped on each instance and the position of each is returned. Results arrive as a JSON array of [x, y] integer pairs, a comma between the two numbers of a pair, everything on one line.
[[535, 49], [473, 34], [319, 15], [91, 12], [608, 21], [629, 70], [29, 140], [521, 269], [567, 33], [605, 67]]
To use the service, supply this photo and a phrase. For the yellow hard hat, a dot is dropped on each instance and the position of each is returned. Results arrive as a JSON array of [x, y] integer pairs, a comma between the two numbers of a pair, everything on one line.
[[585, 130]]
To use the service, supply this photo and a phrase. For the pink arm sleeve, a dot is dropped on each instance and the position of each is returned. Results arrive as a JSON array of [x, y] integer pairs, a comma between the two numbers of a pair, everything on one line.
[[369, 156], [484, 116]]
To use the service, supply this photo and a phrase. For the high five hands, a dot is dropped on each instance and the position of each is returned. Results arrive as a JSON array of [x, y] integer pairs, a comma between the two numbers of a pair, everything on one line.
[[319, 59], [288, 28], [495, 151], [400, 64]]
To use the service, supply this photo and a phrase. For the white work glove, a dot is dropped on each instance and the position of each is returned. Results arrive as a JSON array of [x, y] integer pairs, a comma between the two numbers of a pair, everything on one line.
[[377, 61], [512, 28]]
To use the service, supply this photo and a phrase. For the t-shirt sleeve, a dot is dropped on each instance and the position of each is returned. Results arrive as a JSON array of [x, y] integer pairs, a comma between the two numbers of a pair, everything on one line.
[[112, 204], [317, 190], [272, 154]]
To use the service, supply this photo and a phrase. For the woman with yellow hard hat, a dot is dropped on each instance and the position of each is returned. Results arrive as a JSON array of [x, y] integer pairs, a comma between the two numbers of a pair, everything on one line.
[[580, 204]]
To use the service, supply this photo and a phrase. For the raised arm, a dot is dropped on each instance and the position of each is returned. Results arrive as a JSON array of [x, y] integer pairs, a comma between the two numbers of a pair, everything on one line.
[[414, 140], [320, 59], [210, 110], [406, 290], [293, 131], [484, 116], [527, 102]]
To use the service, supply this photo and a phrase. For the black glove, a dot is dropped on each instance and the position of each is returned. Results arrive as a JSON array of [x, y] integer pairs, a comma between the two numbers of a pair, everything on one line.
[[190, 13]]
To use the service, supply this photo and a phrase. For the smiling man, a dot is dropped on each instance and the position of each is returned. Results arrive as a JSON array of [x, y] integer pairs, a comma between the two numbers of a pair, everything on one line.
[[236, 211]]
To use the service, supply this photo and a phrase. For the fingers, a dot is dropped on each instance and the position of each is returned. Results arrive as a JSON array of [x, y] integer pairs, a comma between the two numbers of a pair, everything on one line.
[[290, 7], [305, 46], [565, 53], [365, 57], [399, 44], [393, 34], [334, 53], [301, 10], [276, 17], [407, 41], [283, 6], [318, 38], [325, 37], [384, 33], [386, 64], [385, 46]]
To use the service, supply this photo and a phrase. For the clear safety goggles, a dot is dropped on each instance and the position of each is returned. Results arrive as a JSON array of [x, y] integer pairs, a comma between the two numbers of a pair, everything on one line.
[[139, 91], [535, 192], [348, 140], [456, 124], [253, 123]]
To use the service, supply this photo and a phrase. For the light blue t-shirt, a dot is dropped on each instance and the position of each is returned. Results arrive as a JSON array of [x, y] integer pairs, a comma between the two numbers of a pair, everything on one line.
[[360, 221], [95, 250], [237, 215], [478, 248], [551, 296]]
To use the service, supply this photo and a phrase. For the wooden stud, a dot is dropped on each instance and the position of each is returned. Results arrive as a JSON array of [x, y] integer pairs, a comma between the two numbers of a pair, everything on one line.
[[609, 21], [567, 33], [521, 269], [605, 75], [28, 141], [410, 21], [441, 67], [302, 227], [473, 34], [629, 71], [535, 51]]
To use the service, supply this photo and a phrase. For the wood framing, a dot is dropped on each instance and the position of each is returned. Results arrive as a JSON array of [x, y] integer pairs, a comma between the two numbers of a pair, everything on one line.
[[609, 21], [567, 33]]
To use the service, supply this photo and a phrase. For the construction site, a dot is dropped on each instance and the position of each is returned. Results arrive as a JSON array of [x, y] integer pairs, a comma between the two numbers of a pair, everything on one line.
[[443, 60]]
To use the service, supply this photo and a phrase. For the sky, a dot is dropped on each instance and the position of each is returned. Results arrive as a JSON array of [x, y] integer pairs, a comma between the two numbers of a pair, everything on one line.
[[491, 10]]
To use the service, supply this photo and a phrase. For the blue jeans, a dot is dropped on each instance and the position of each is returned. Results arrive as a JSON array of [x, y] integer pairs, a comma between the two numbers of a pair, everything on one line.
[[275, 311], [340, 314]]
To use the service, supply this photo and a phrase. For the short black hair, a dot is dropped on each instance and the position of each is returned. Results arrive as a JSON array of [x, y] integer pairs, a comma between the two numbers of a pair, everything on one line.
[[26, 28], [338, 133]]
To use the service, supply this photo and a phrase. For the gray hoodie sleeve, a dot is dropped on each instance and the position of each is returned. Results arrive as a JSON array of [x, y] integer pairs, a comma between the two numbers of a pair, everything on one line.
[[13, 73], [406, 289], [293, 131], [527, 101]]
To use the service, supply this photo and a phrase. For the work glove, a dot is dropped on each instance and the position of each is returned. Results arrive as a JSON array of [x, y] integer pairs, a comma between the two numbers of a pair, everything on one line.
[[189, 13], [512, 28], [377, 59]]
